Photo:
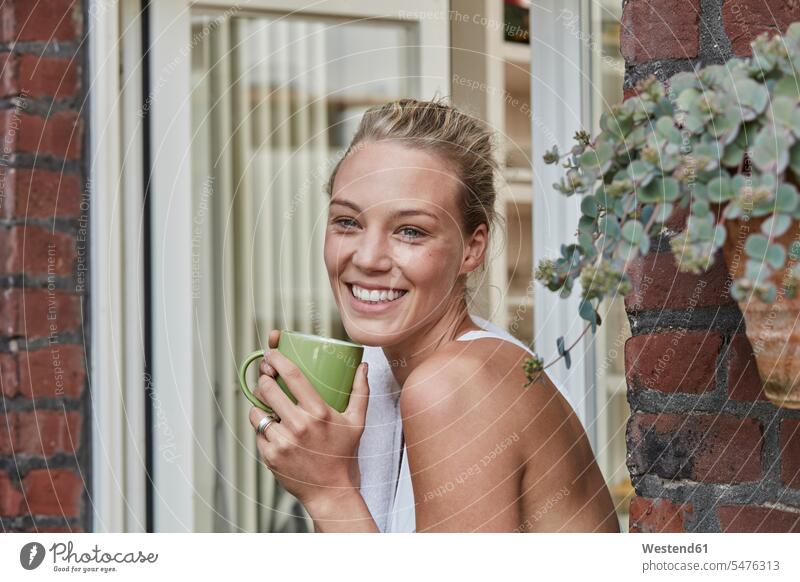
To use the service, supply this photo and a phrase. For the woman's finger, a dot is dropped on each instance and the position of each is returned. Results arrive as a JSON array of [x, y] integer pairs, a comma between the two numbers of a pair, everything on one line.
[[269, 392], [265, 368], [298, 384], [274, 338], [359, 397], [266, 451], [255, 416]]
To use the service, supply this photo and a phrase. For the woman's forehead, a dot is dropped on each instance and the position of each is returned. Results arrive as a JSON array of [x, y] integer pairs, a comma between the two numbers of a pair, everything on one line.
[[383, 174]]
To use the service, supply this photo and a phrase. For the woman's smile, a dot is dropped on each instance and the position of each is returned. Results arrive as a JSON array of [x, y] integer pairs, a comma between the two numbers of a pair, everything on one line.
[[372, 301]]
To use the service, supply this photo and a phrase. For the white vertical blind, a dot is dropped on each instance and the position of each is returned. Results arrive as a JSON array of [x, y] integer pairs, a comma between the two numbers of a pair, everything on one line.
[[321, 165]]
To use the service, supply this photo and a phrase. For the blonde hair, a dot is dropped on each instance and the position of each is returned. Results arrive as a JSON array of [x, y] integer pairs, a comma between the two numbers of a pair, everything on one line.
[[442, 129]]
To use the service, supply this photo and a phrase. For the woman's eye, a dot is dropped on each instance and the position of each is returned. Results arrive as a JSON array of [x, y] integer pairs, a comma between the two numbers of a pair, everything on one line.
[[411, 232], [345, 223]]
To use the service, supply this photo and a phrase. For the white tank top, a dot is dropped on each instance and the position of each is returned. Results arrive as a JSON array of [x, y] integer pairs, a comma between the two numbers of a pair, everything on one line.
[[403, 517]]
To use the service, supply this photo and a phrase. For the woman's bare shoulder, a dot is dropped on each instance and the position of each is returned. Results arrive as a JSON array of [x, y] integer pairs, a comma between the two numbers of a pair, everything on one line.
[[487, 375]]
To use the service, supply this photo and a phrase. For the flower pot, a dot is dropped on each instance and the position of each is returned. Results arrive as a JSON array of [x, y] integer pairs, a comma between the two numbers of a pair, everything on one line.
[[772, 328]]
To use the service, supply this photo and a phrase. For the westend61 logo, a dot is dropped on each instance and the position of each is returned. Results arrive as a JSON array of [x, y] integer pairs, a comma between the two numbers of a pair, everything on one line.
[[65, 559]]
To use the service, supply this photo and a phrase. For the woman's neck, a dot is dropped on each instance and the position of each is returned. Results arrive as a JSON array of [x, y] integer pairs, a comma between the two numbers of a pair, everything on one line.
[[405, 356]]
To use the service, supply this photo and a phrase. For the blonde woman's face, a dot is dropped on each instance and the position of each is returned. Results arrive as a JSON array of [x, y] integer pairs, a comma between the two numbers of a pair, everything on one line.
[[393, 243]]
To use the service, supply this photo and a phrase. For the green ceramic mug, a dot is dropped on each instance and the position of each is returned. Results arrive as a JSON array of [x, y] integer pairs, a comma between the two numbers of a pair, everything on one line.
[[329, 365]]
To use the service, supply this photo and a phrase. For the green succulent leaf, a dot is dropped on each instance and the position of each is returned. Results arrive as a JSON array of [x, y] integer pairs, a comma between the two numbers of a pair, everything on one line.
[[701, 208], [586, 225], [780, 111], [776, 225], [682, 81], [660, 190], [589, 206], [732, 155], [720, 189], [665, 126], [609, 226], [598, 159], [586, 311], [641, 172], [752, 97], [756, 246], [771, 149], [632, 232], [776, 255], [663, 212], [787, 87], [786, 199]]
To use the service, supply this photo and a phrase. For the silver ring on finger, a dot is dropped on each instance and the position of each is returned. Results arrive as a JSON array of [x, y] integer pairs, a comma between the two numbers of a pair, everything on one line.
[[264, 423]]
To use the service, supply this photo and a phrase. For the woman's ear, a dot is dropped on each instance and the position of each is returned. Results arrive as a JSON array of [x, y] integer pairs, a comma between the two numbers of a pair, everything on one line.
[[475, 250]]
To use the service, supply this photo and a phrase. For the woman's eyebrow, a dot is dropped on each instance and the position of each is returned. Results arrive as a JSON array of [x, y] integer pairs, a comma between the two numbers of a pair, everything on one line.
[[407, 212]]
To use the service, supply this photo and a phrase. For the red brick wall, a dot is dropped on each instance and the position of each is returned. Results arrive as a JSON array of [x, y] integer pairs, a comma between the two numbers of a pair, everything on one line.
[[44, 418], [706, 451]]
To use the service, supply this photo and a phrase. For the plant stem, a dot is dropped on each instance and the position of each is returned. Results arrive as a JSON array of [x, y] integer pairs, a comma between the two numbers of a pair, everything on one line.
[[572, 345]]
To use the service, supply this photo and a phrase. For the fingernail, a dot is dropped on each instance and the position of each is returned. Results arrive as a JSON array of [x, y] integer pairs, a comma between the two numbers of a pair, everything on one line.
[[365, 368]]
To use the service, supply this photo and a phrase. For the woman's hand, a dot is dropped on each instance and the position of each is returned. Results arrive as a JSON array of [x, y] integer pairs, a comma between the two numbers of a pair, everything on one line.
[[313, 450]]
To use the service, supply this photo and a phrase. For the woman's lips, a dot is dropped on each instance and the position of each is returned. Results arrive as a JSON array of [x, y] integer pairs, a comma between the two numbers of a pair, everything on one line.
[[370, 308]]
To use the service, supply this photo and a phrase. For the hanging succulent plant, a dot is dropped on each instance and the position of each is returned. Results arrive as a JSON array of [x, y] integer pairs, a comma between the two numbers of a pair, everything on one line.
[[722, 143]]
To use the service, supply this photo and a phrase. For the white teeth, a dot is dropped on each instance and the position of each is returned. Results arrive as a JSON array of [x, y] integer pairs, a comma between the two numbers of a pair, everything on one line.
[[375, 296]]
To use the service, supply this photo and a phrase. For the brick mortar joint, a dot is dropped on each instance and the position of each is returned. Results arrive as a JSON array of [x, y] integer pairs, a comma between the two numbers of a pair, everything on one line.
[[754, 493], [726, 319]]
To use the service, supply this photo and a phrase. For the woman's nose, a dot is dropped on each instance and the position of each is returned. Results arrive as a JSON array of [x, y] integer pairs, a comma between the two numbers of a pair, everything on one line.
[[373, 253]]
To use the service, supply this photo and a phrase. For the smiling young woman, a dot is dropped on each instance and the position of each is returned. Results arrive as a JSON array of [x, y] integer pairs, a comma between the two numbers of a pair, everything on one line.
[[410, 216]]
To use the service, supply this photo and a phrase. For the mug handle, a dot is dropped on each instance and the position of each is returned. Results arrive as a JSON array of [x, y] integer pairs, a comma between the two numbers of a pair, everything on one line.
[[243, 381]]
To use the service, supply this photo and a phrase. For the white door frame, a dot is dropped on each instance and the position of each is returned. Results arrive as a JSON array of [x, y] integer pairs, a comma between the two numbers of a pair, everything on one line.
[[558, 67], [116, 376], [171, 187]]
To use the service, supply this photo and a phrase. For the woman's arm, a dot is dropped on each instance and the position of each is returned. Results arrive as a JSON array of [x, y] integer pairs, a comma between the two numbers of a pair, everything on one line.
[[344, 512], [487, 454], [465, 467]]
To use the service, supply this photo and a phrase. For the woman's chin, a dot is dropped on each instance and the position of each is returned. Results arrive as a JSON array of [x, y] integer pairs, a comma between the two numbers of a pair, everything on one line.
[[375, 339], [367, 333]]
